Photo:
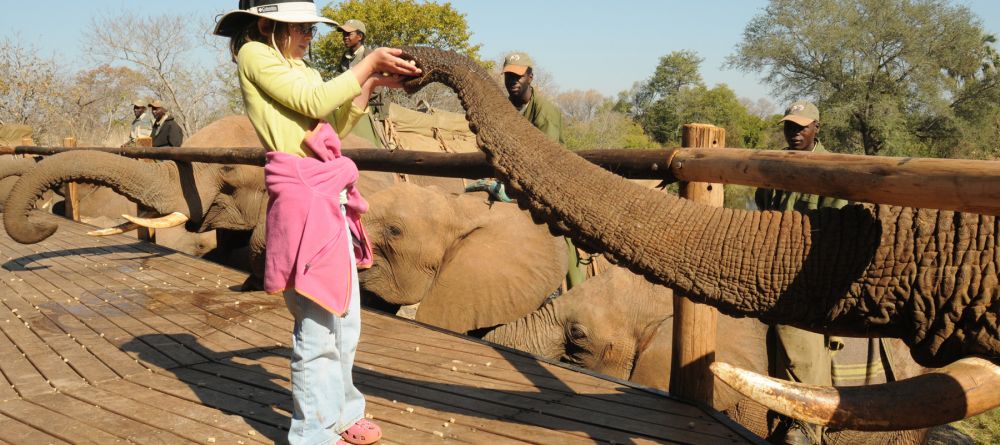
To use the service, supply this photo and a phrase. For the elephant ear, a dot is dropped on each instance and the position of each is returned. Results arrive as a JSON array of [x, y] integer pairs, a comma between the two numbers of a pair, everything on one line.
[[652, 363], [500, 270]]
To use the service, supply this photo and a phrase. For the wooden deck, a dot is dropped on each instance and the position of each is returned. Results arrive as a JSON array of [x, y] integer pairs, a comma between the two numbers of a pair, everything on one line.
[[111, 340]]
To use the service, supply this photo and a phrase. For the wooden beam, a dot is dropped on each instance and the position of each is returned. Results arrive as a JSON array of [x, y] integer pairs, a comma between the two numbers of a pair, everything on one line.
[[950, 184], [695, 324]]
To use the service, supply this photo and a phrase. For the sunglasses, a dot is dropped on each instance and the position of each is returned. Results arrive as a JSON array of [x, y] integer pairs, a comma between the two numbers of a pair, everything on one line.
[[307, 29]]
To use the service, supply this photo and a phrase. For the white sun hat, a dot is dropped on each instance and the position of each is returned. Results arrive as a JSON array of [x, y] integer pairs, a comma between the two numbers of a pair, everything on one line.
[[287, 11]]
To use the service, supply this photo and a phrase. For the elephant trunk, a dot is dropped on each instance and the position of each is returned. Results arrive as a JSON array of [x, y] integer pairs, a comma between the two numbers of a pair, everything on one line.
[[859, 271], [540, 333], [12, 167], [15, 166], [145, 183]]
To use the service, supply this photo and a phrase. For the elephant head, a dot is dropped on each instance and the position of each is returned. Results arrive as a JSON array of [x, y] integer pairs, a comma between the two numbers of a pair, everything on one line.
[[470, 264], [206, 196], [608, 324], [928, 277]]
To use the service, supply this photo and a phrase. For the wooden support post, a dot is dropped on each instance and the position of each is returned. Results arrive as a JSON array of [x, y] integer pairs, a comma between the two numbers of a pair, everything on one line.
[[72, 198], [143, 233], [695, 324]]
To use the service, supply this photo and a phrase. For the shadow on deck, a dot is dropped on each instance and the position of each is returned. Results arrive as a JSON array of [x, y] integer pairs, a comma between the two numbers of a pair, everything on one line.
[[109, 340]]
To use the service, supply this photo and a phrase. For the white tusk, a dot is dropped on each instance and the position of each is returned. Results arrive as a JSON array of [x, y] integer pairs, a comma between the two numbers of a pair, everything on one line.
[[960, 390], [164, 222], [121, 228]]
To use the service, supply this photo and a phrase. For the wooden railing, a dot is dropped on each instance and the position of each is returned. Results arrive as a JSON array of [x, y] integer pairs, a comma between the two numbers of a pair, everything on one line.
[[949, 184]]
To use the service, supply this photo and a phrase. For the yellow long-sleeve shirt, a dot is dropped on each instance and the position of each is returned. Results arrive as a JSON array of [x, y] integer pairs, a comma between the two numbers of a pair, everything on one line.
[[285, 97]]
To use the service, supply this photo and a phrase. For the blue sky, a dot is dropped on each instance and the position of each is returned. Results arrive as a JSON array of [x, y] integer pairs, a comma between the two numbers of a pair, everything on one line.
[[582, 44]]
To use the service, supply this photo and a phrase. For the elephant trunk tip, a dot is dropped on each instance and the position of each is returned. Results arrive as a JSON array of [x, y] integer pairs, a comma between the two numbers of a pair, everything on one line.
[[30, 232]]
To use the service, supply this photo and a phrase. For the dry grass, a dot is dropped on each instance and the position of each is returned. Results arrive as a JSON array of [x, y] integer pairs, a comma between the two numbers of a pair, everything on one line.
[[984, 428]]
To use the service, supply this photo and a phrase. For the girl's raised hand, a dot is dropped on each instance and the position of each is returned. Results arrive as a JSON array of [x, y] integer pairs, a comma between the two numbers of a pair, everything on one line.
[[387, 61], [384, 62]]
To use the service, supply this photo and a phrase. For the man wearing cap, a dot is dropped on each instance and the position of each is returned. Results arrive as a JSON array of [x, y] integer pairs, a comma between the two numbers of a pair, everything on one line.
[[166, 131], [517, 77], [800, 356], [354, 32], [142, 125]]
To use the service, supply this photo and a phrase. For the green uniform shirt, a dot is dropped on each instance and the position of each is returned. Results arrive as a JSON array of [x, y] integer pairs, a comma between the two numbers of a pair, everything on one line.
[[352, 58], [544, 115], [767, 199]]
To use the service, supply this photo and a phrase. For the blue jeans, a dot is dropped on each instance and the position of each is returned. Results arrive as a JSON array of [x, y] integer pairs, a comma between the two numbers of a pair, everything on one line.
[[324, 398]]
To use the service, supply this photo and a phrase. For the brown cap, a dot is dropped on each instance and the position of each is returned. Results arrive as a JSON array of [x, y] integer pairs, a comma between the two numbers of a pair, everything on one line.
[[802, 113], [139, 103], [156, 104], [517, 63], [353, 25]]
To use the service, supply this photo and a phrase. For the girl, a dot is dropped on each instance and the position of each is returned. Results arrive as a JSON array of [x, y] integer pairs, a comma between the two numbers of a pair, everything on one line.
[[313, 217]]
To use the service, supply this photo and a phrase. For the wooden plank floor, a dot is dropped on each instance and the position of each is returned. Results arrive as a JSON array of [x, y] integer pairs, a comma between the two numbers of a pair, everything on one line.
[[110, 340]]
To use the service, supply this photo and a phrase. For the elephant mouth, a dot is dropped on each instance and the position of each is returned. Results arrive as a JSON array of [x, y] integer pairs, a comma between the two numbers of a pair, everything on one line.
[[378, 281]]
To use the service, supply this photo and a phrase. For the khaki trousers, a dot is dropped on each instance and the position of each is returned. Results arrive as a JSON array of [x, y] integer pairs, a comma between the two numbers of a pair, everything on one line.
[[802, 356]]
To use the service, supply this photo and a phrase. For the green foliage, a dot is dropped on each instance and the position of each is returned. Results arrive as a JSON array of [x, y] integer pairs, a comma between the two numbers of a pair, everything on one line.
[[394, 23], [608, 129], [652, 103], [591, 122], [889, 75], [739, 197], [675, 95]]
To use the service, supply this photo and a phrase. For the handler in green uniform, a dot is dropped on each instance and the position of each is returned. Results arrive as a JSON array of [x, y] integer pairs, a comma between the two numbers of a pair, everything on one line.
[[800, 355], [517, 77]]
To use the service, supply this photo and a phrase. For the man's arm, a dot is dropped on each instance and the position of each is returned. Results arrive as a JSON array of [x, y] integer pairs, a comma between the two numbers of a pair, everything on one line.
[[176, 137]]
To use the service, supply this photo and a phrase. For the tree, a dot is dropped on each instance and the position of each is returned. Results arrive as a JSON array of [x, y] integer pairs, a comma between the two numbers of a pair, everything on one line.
[[31, 91], [580, 105], [590, 122], [888, 75], [162, 50], [652, 103], [676, 95], [94, 101], [395, 23]]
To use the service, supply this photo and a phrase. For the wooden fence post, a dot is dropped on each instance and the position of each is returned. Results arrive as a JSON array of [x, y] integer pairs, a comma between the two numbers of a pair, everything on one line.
[[695, 324], [72, 198], [143, 233]]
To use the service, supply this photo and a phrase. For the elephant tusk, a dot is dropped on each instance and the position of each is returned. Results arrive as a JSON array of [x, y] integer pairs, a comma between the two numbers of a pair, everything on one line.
[[164, 222], [960, 390], [121, 228]]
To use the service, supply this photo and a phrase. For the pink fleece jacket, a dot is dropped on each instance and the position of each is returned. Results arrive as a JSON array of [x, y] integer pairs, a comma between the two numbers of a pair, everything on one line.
[[306, 239]]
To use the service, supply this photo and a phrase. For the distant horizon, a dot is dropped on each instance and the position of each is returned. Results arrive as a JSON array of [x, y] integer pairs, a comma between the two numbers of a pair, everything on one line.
[[584, 48]]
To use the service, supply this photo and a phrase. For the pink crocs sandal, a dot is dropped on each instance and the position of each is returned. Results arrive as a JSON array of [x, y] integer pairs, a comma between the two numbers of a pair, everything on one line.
[[363, 432]]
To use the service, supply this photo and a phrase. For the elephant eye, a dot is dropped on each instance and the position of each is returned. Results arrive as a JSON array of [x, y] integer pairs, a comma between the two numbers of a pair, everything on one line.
[[393, 230], [577, 332]]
